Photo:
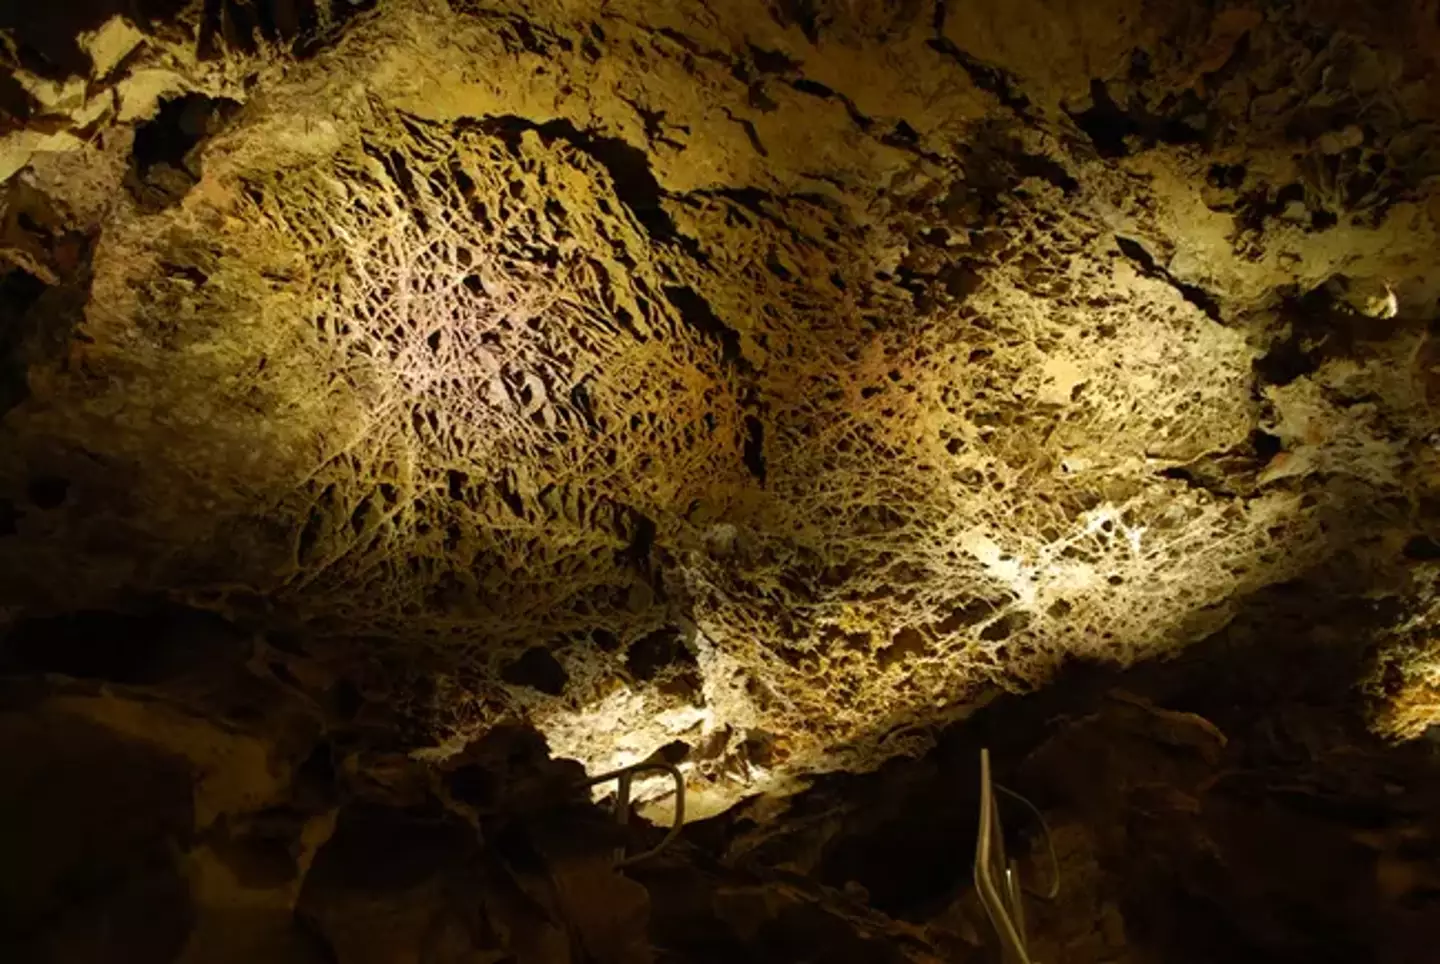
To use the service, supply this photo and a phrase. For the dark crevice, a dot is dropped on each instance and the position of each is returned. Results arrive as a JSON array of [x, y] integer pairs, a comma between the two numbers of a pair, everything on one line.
[[751, 199], [693, 48], [903, 133], [456, 485], [654, 121], [16, 104], [750, 132], [510, 497], [655, 652], [627, 165], [757, 97], [38, 319], [309, 537], [538, 669], [1313, 328], [1265, 445], [580, 400], [311, 39], [164, 165], [754, 453], [799, 13], [754, 201], [816, 89], [528, 38], [1105, 123], [906, 138], [296, 22], [240, 26], [1422, 549], [1045, 168], [1183, 473], [812, 87], [393, 163], [641, 531], [696, 312], [1230, 177], [993, 80], [19, 292], [48, 491], [1232, 473], [1284, 362], [772, 61], [860, 120], [675, 36], [1148, 266], [1108, 125]]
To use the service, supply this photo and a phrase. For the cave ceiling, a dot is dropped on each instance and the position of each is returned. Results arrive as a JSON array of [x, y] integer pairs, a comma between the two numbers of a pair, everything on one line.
[[776, 380]]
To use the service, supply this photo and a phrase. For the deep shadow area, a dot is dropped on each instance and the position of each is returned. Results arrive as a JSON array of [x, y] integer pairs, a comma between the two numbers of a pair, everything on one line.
[[153, 643], [89, 821], [164, 163]]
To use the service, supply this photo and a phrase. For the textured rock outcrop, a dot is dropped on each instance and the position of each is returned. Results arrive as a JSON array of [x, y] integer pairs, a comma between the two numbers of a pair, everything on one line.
[[765, 385]]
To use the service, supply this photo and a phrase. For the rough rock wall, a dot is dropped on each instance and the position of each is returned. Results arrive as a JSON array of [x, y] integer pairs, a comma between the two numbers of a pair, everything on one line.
[[777, 379]]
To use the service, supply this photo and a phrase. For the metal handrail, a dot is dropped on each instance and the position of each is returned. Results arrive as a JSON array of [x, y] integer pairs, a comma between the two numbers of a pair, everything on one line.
[[996, 878], [625, 776]]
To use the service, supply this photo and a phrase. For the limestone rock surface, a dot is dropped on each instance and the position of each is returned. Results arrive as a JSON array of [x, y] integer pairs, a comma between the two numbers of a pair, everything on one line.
[[763, 384]]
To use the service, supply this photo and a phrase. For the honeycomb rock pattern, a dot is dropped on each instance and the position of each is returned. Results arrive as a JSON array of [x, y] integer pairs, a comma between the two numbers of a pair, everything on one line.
[[775, 382]]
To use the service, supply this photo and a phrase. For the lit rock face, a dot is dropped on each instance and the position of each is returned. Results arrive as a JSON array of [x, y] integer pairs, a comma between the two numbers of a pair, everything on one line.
[[776, 378]]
